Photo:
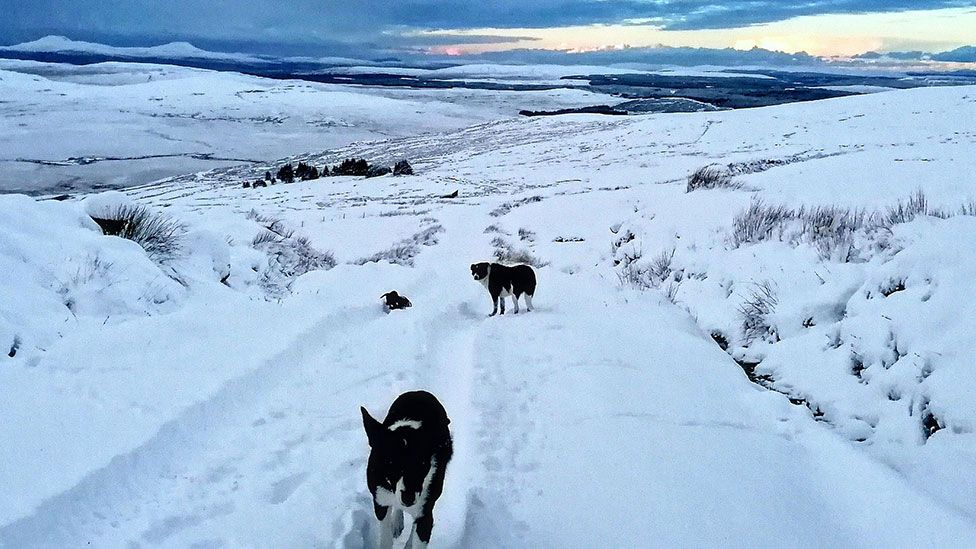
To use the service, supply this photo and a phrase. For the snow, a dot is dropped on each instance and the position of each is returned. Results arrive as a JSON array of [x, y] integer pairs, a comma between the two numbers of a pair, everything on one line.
[[184, 50], [211, 398], [111, 125]]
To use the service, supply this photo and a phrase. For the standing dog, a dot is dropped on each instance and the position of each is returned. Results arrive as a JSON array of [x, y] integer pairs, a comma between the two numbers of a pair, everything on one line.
[[408, 458], [503, 281]]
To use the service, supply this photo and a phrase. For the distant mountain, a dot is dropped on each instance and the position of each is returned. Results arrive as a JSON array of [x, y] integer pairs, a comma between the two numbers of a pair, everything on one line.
[[173, 50], [965, 54]]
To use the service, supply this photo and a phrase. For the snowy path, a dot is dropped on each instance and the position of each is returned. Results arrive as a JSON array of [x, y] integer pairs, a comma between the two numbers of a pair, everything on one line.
[[588, 410]]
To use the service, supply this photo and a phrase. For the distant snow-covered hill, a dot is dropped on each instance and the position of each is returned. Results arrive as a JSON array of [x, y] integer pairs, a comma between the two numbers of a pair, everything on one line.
[[175, 50]]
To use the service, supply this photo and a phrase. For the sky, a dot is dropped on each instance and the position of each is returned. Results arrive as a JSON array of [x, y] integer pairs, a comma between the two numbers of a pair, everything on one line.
[[453, 27]]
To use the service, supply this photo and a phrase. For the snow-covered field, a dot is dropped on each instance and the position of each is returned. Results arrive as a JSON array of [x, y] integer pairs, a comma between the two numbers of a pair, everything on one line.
[[208, 398], [109, 125]]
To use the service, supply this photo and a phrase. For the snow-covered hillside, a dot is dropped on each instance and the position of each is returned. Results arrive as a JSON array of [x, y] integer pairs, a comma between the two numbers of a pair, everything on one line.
[[67, 128], [209, 397]]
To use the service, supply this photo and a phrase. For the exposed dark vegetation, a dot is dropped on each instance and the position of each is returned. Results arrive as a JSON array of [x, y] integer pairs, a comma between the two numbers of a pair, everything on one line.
[[160, 235], [349, 167], [595, 109], [756, 314], [833, 230], [711, 177]]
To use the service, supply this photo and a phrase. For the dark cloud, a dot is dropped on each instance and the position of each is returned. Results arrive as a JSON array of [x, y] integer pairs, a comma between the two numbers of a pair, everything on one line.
[[316, 24]]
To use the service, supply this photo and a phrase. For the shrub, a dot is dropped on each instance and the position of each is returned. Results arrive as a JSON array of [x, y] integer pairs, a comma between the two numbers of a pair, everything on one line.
[[908, 210], [286, 173], [756, 312], [403, 252], [506, 252], [306, 172], [158, 234], [711, 177], [351, 166], [376, 171], [645, 275], [759, 222], [402, 168]]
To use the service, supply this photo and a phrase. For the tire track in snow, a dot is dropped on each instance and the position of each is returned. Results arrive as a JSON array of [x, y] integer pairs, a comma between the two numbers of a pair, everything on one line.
[[103, 493]]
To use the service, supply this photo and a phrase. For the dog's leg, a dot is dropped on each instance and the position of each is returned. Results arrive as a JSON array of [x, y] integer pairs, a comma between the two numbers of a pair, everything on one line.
[[515, 299], [494, 305], [501, 305], [397, 523], [385, 516], [422, 527], [528, 302]]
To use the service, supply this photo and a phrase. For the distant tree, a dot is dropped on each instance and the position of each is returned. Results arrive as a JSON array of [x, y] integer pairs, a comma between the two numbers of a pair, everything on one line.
[[286, 173], [402, 168], [351, 166], [267, 176]]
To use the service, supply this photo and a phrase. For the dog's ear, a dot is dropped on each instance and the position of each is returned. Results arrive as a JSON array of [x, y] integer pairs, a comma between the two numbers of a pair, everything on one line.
[[374, 429]]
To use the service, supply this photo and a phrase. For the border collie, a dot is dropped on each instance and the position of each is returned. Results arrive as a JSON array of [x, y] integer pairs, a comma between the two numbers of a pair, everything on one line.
[[393, 301], [407, 461], [503, 281]]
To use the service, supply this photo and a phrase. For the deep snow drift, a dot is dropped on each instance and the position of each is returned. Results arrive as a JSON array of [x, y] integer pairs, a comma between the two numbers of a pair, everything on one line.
[[209, 397]]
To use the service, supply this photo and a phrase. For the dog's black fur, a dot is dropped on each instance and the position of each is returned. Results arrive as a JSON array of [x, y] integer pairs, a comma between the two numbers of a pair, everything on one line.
[[392, 301], [409, 454], [503, 281]]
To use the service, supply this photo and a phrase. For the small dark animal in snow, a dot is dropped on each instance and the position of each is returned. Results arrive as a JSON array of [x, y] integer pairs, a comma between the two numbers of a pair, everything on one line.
[[392, 301], [452, 195], [503, 281], [409, 453]]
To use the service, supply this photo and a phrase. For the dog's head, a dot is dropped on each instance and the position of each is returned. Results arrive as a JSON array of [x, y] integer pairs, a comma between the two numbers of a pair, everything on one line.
[[480, 270], [400, 456]]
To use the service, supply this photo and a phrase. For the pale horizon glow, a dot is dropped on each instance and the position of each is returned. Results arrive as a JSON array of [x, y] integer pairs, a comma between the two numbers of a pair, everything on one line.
[[842, 35]]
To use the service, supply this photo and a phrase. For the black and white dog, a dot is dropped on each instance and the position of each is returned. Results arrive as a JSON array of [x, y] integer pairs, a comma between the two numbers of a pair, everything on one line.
[[393, 301], [503, 281], [408, 458]]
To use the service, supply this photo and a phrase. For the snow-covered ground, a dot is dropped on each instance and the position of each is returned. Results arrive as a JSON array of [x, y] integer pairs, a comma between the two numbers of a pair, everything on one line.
[[209, 398], [109, 125]]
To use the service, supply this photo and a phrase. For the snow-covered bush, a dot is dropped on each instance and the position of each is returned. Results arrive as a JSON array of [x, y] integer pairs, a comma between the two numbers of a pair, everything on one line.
[[288, 255], [908, 210], [506, 252], [760, 222], [157, 233], [756, 312], [710, 177], [404, 251]]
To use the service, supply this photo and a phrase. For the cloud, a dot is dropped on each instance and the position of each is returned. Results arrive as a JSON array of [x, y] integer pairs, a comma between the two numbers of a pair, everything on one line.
[[681, 56], [389, 24]]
